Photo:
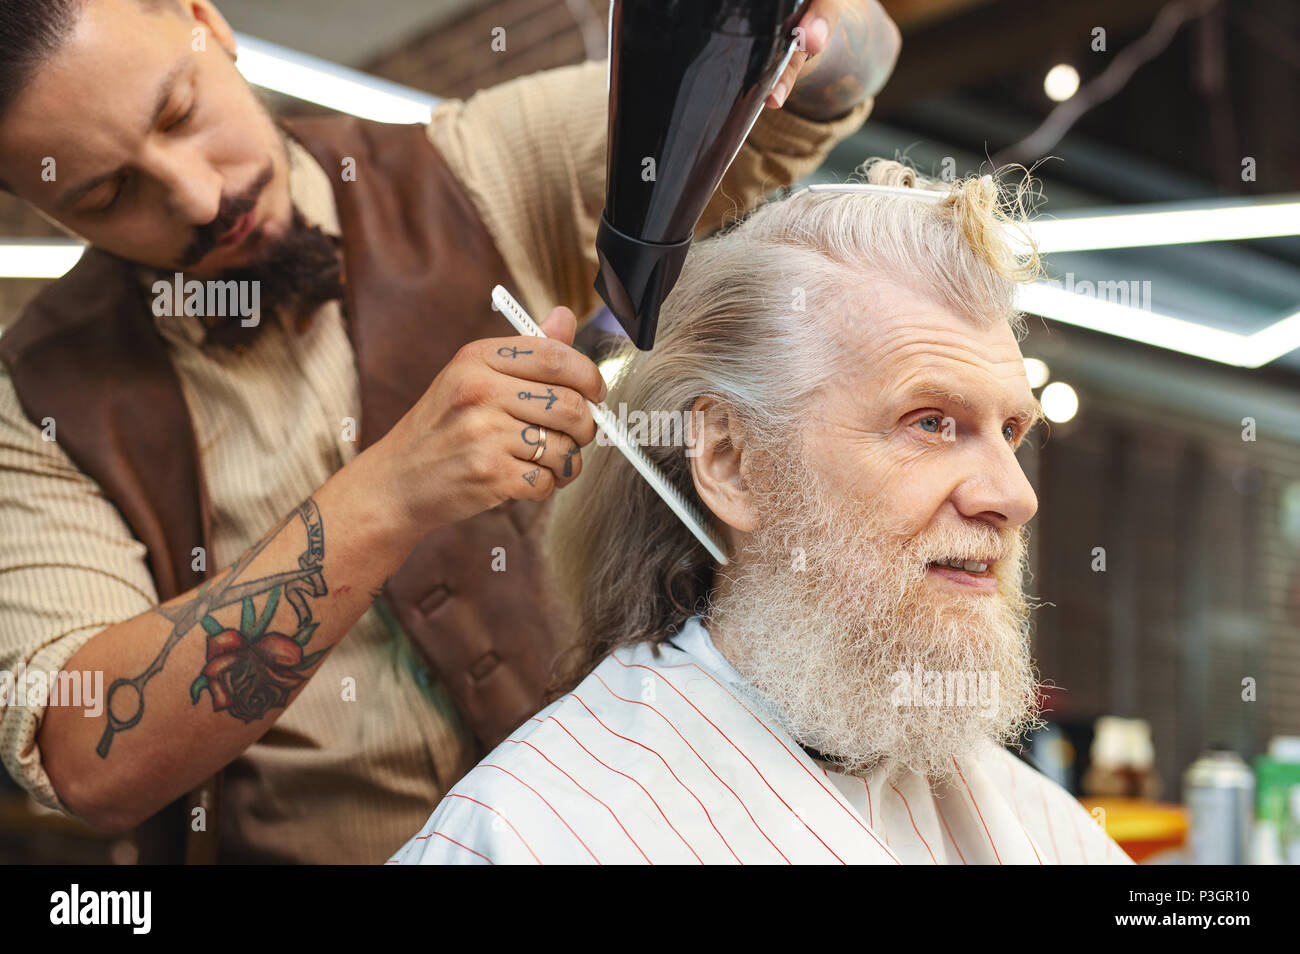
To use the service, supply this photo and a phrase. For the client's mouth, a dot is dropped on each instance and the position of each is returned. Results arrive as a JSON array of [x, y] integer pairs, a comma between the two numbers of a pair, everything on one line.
[[974, 572]]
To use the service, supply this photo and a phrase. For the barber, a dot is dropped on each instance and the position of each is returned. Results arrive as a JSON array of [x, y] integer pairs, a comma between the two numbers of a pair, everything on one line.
[[201, 507]]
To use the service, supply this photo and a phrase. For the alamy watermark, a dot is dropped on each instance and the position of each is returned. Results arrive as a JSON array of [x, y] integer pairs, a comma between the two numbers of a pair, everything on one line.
[[64, 688], [76, 906], [657, 429], [210, 299], [1133, 294], [930, 687]]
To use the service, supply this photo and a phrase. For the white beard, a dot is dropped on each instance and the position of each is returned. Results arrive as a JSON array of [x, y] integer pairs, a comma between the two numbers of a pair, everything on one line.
[[827, 606]]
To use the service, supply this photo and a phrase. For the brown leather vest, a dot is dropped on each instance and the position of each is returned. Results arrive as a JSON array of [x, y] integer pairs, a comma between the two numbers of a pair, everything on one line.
[[420, 269]]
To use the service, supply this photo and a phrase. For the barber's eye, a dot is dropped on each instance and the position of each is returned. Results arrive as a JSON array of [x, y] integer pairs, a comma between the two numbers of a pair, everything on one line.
[[108, 206], [1010, 431], [182, 120]]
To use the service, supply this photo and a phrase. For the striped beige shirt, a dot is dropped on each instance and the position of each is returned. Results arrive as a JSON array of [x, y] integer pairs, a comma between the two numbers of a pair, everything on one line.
[[332, 780]]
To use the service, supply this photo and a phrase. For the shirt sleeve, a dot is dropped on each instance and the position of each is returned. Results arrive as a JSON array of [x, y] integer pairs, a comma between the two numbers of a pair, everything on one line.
[[69, 568], [531, 155]]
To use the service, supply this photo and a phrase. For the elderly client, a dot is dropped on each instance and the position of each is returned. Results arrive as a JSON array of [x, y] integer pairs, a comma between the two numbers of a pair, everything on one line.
[[840, 692]]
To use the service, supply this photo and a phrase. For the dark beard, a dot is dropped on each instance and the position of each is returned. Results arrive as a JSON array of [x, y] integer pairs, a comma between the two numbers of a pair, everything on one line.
[[298, 273]]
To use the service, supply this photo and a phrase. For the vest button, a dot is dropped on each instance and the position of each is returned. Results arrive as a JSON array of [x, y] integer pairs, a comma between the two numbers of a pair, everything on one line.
[[434, 599]]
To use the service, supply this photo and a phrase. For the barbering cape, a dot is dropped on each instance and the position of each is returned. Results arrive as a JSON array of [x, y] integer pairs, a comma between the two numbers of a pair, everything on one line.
[[670, 758]]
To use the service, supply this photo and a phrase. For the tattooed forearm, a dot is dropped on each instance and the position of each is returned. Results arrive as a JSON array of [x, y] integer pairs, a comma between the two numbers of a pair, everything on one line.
[[855, 64], [255, 655]]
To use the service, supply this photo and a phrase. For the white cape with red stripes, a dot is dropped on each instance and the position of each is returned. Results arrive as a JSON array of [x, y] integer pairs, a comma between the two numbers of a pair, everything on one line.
[[671, 760]]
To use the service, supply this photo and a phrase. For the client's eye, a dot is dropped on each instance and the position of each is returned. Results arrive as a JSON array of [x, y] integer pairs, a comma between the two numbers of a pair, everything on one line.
[[938, 422], [1010, 431]]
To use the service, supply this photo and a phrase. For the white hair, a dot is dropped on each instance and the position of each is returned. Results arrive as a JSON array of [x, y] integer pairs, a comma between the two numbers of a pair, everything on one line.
[[755, 320]]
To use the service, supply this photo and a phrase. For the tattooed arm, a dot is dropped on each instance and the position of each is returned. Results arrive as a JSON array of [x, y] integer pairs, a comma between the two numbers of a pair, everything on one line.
[[195, 681], [855, 64]]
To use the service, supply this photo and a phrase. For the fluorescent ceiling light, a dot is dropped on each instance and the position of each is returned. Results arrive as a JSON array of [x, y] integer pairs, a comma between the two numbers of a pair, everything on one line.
[[1152, 226], [50, 259], [1221, 222], [36, 259], [1163, 331], [328, 84]]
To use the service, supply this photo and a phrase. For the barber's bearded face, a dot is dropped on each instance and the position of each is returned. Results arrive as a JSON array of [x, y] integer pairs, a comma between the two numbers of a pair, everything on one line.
[[833, 608], [296, 269], [140, 136], [829, 606]]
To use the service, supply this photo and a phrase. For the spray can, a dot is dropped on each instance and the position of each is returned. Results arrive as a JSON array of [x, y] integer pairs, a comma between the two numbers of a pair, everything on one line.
[[1219, 792]]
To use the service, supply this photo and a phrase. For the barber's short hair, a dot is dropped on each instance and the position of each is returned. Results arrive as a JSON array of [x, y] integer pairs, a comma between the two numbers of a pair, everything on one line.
[[30, 32]]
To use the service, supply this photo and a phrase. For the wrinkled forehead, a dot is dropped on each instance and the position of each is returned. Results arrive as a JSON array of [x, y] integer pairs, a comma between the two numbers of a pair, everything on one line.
[[892, 337]]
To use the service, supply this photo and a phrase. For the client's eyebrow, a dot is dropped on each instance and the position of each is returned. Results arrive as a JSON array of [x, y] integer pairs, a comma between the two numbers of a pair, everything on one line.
[[1031, 414]]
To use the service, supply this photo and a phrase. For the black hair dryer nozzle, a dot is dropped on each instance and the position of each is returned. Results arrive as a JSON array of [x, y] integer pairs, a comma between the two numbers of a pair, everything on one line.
[[687, 80]]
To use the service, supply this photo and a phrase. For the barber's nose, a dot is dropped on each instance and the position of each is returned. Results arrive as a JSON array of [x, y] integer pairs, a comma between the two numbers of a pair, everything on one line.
[[997, 490], [191, 186]]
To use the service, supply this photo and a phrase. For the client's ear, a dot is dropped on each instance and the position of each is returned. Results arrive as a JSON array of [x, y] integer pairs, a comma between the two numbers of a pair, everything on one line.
[[718, 463]]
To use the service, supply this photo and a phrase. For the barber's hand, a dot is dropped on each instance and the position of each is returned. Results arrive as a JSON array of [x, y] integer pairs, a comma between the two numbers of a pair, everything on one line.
[[816, 27], [468, 443], [851, 44]]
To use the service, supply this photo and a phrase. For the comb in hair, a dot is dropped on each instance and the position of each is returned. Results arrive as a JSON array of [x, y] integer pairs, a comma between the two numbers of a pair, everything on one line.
[[925, 194], [686, 511]]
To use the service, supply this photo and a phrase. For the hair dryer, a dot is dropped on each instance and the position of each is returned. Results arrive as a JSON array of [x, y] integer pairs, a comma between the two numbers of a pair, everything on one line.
[[687, 81]]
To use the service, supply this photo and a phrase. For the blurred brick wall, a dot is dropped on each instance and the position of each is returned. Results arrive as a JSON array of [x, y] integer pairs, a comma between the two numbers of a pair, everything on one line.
[[458, 58], [1202, 581]]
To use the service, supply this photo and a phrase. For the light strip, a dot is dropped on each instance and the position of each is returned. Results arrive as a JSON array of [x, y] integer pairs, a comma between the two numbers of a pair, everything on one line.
[[50, 259], [1163, 331], [327, 84], [345, 90], [1216, 223], [37, 259], [1131, 228]]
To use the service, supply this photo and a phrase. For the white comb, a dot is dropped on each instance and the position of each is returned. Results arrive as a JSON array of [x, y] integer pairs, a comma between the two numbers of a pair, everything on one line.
[[686, 512], [926, 195]]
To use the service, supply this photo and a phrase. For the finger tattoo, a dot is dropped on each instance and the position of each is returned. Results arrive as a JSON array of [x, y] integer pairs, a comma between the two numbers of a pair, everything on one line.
[[550, 397]]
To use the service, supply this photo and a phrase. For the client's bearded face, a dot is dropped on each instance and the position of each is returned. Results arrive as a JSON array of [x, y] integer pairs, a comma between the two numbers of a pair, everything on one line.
[[829, 604]]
